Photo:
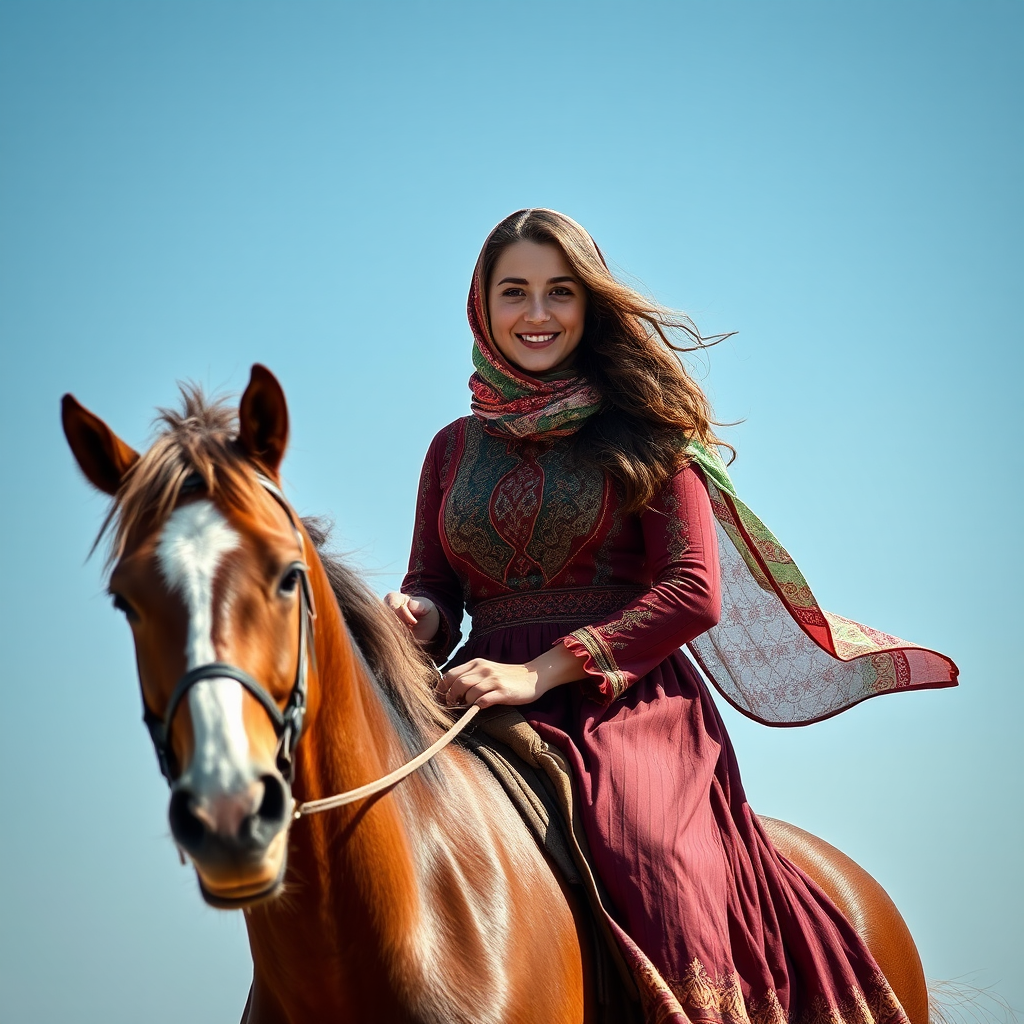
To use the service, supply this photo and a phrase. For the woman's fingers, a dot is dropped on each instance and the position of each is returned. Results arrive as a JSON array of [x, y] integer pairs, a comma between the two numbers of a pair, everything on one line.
[[457, 681], [487, 700], [399, 604], [485, 683]]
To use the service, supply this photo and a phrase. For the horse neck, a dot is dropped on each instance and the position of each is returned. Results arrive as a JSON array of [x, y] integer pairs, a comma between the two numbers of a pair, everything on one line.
[[353, 877]]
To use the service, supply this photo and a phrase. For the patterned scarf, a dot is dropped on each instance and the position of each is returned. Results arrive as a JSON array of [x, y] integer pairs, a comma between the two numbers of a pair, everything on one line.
[[775, 654]]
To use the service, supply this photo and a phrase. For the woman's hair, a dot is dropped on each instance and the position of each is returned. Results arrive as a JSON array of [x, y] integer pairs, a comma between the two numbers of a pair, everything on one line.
[[650, 403]]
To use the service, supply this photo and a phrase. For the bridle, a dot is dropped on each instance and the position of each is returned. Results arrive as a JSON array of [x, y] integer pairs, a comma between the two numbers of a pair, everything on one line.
[[287, 723]]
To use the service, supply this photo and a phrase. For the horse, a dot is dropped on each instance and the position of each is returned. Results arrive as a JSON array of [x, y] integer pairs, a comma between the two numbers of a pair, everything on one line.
[[273, 677]]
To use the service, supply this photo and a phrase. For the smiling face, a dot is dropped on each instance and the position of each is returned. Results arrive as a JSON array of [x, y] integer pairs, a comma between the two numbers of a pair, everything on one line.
[[537, 307]]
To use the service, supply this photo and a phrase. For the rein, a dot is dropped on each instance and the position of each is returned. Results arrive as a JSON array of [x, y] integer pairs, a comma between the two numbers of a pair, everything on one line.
[[287, 723], [352, 795]]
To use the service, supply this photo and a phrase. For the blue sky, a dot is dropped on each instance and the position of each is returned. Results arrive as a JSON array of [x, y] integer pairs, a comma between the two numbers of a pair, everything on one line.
[[187, 188]]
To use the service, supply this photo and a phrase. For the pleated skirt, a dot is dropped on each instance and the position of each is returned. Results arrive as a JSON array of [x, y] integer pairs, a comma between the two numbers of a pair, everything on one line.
[[737, 931]]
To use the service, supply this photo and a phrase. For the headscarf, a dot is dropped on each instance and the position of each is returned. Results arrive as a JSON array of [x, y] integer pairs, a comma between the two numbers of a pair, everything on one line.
[[775, 654], [512, 402]]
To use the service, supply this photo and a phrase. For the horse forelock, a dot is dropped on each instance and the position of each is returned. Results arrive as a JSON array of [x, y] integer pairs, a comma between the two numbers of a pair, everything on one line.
[[198, 441]]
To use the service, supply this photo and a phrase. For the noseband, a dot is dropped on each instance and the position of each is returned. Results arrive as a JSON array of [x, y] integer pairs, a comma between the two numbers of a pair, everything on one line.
[[287, 723]]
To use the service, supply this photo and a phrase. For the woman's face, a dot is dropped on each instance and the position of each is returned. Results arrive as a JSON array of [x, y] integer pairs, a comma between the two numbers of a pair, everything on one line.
[[537, 307]]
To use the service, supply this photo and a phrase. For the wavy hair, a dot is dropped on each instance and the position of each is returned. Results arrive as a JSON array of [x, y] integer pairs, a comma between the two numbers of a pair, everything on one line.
[[629, 353]]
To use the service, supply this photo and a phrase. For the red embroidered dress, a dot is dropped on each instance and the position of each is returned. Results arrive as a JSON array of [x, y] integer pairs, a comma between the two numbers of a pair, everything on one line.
[[538, 551]]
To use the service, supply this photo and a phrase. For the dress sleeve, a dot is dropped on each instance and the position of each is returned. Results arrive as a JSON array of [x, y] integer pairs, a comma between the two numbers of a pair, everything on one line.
[[684, 600], [430, 574]]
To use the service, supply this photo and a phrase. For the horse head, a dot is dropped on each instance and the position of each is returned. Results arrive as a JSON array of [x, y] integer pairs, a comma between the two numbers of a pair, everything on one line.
[[211, 568]]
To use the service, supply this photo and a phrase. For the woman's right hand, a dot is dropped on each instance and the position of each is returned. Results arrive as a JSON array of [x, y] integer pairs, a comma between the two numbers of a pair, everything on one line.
[[420, 614]]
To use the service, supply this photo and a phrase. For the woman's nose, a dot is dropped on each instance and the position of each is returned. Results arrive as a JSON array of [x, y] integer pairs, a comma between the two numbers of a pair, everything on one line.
[[537, 313]]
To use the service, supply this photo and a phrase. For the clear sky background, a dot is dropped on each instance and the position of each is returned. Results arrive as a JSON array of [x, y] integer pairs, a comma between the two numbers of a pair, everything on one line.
[[189, 187]]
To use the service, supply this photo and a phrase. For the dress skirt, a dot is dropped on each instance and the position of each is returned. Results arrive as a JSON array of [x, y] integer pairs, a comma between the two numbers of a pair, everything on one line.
[[738, 932]]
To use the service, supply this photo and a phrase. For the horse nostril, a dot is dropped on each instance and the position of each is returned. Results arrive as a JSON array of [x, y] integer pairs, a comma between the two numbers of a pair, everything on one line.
[[272, 806], [248, 818], [187, 829]]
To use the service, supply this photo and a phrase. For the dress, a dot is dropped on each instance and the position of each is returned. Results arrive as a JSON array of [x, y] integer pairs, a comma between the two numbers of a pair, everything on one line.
[[538, 550]]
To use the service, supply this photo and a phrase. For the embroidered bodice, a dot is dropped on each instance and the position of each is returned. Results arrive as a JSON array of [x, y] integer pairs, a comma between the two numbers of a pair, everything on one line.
[[517, 532]]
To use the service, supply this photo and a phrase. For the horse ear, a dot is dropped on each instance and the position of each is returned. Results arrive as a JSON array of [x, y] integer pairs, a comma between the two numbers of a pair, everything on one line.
[[263, 420], [103, 457]]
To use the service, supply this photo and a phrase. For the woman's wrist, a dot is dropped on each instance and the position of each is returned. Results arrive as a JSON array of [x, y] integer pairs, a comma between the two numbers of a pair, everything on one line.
[[555, 667]]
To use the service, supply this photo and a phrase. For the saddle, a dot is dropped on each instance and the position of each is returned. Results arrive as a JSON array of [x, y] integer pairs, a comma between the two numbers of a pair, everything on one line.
[[538, 781]]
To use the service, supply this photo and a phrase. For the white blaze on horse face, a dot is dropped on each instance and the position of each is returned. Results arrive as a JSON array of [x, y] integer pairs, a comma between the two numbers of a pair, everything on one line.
[[191, 548]]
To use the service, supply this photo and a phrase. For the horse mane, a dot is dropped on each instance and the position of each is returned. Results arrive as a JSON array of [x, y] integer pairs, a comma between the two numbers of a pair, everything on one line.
[[397, 664], [200, 440]]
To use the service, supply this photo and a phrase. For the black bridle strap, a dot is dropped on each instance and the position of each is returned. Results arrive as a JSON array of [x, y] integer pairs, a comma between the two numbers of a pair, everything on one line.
[[222, 670]]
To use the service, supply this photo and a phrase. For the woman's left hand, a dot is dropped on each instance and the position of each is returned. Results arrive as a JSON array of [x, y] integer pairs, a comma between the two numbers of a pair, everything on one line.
[[483, 683]]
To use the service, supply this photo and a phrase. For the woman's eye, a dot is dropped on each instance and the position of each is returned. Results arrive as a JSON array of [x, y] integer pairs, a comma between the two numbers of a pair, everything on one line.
[[513, 293], [560, 291]]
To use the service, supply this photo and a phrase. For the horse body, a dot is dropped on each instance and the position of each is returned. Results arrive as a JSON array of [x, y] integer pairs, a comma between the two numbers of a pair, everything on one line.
[[425, 931], [419, 905], [429, 902]]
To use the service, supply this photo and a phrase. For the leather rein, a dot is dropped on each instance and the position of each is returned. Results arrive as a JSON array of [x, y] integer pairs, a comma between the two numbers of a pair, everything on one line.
[[288, 722]]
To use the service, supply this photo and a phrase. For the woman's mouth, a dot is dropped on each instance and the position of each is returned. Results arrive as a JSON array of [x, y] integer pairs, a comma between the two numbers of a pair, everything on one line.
[[538, 340]]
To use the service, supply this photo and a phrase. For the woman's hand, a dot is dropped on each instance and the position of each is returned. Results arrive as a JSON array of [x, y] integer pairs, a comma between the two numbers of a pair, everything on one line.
[[483, 683], [420, 614]]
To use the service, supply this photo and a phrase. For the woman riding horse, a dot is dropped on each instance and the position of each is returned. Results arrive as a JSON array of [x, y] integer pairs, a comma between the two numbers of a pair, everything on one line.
[[583, 517]]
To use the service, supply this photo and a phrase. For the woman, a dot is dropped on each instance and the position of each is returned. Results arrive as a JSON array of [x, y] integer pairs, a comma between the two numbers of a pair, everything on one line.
[[584, 519]]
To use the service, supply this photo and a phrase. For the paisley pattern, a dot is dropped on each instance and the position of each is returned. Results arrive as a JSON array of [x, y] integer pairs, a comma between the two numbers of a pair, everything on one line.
[[518, 514], [468, 531], [501, 517]]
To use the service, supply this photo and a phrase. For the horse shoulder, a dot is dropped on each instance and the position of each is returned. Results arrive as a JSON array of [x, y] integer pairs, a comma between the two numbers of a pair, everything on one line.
[[493, 888]]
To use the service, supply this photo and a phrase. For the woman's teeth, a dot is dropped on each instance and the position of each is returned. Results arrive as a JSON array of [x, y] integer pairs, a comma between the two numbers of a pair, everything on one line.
[[537, 339]]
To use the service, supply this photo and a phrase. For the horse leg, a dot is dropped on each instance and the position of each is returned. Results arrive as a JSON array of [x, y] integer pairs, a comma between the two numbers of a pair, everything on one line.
[[866, 905]]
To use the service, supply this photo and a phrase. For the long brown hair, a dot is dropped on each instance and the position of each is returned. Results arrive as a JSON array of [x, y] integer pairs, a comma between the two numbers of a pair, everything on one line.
[[651, 405]]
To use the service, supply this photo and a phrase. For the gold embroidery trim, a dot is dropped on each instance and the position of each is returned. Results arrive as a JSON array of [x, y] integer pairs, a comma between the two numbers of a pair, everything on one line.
[[603, 659], [720, 1001]]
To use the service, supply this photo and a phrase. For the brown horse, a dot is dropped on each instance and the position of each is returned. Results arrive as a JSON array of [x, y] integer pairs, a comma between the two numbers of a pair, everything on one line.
[[429, 902]]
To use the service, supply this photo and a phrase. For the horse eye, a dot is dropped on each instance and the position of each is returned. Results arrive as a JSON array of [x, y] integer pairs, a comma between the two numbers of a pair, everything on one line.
[[289, 581], [123, 606]]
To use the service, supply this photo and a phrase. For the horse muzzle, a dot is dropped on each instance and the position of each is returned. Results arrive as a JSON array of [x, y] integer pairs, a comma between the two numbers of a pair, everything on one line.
[[237, 840]]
